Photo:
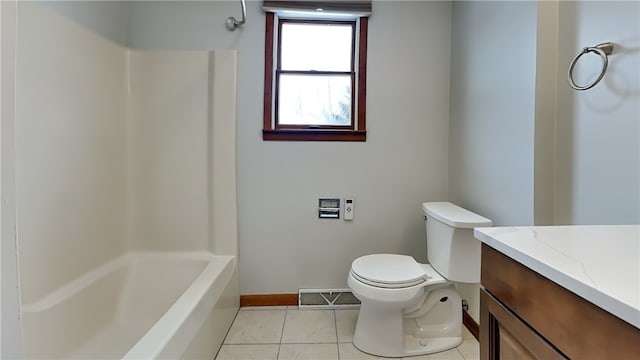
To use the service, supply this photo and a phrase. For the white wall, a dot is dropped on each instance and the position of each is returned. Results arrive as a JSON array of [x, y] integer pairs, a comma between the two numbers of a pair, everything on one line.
[[598, 130], [70, 149], [493, 66], [283, 246]]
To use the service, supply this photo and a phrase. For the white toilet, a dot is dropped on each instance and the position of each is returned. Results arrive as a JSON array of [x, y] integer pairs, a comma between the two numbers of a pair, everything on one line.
[[408, 308]]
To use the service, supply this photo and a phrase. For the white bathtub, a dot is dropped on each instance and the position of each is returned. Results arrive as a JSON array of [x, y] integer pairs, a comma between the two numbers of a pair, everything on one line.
[[138, 306]]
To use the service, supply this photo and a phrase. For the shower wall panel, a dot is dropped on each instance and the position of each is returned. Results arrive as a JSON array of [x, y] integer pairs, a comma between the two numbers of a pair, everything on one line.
[[70, 149], [167, 147]]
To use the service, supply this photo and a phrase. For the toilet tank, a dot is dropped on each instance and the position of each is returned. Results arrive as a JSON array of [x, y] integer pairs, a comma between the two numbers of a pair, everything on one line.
[[451, 248]]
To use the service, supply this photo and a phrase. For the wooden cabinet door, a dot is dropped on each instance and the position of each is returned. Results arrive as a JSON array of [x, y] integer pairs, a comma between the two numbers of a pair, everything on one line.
[[503, 336]]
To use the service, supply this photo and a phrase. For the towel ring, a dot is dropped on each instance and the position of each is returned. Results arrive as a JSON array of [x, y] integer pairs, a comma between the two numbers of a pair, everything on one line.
[[603, 50]]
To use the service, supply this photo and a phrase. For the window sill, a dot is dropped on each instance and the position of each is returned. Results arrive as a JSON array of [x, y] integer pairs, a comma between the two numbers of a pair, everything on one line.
[[313, 135]]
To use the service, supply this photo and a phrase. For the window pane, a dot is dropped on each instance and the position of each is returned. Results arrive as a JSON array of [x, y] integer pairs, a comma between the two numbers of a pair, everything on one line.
[[321, 47], [314, 100]]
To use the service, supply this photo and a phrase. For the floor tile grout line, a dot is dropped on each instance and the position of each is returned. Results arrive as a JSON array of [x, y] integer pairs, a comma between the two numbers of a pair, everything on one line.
[[335, 324], [224, 340], [253, 343], [307, 343], [286, 312]]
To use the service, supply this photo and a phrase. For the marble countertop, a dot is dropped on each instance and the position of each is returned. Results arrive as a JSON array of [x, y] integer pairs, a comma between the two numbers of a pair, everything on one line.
[[600, 263]]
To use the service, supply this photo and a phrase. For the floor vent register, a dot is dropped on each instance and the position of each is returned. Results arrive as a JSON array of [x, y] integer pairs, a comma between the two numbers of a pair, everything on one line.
[[327, 299]]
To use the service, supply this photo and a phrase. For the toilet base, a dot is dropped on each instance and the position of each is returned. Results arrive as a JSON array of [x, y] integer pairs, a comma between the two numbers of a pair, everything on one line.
[[415, 347], [433, 327]]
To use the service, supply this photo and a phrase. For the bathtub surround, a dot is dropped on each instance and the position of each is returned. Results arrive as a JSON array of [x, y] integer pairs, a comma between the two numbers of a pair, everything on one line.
[[116, 153], [11, 328], [176, 154], [70, 150], [168, 141]]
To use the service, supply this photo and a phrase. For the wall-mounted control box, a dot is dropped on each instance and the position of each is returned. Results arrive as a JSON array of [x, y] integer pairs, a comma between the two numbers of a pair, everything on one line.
[[329, 208], [349, 206]]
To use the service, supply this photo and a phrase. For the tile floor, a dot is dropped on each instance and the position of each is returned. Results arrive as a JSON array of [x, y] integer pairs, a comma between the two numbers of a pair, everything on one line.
[[263, 333]]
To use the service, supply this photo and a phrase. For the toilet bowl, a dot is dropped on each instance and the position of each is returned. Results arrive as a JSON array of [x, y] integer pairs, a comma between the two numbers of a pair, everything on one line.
[[408, 308]]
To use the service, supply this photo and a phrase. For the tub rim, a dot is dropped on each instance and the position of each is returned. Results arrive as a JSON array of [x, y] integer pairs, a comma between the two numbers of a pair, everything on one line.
[[153, 342], [79, 283]]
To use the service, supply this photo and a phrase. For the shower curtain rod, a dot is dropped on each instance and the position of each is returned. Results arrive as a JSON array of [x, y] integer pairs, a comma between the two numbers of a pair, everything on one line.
[[232, 23]]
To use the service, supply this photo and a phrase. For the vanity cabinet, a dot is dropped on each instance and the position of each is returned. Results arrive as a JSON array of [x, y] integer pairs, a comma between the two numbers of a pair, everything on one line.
[[508, 337], [523, 315]]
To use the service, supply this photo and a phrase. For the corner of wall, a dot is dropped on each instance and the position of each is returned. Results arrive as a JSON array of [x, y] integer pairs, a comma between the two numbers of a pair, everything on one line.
[[545, 112]]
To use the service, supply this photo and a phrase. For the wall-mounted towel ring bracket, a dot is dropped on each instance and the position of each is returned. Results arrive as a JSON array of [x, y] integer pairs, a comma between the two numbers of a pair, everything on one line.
[[603, 50]]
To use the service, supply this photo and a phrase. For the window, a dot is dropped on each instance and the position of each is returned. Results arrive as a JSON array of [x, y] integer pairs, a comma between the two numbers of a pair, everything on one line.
[[315, 78]]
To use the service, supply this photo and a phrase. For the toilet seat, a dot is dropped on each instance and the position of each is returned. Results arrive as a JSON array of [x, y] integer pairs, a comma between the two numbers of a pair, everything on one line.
[[389, 271]]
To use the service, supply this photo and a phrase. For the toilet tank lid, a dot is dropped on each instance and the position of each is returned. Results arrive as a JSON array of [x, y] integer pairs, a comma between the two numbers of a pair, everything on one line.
[[454, 215]]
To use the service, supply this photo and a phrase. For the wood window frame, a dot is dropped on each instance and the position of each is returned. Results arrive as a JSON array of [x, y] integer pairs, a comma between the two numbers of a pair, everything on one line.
[[354, 132]]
